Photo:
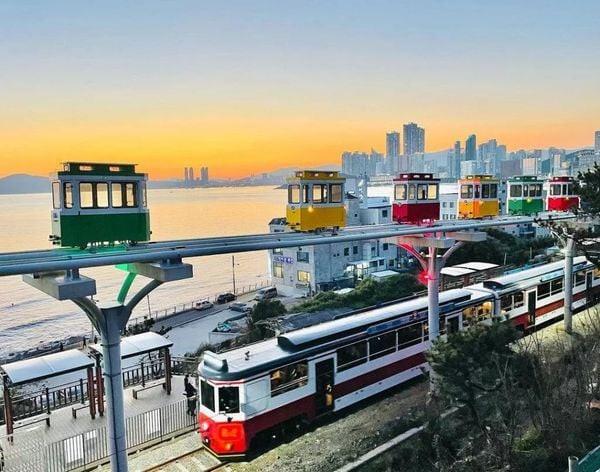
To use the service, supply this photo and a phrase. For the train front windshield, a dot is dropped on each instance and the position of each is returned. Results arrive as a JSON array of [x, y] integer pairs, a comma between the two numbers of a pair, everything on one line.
[[227, 398]]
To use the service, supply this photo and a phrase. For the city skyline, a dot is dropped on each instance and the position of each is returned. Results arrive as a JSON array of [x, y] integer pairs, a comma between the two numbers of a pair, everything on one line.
[[248, 88]]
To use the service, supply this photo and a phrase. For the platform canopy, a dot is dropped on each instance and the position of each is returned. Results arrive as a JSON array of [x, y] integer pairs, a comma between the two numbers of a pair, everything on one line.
[[43, 367], [138, 344]]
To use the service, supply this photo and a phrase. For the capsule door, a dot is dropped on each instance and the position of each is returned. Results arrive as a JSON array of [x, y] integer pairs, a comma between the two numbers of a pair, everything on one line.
[[324, 386]]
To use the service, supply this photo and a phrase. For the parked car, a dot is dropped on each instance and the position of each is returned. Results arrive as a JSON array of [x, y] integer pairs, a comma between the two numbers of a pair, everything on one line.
[[226, 297], [203, 305], [266, 293], [241, 307]]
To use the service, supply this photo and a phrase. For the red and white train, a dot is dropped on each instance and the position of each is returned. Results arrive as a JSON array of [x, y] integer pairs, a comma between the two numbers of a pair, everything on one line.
[[296, 377], [416, 199]]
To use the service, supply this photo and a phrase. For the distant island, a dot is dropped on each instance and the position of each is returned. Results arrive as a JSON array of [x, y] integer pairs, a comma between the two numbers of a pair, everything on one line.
[[25, 183]]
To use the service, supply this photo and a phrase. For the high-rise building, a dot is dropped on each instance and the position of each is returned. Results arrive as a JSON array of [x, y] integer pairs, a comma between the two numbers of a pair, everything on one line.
[[204, 174], [456, 166], [186, 175], [597, 141], [471, 148], [392, 144], [191, 174], [414, 139]]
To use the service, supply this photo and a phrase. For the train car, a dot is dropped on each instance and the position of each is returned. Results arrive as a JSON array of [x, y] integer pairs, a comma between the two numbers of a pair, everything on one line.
[[316, 201], [248, 393], [561, 194], [478, 197], [99, 204], [524, 195], [533, 297], [416, 199]]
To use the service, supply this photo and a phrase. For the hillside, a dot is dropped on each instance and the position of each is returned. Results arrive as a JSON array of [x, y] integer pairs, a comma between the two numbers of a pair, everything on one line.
[[23, 183]]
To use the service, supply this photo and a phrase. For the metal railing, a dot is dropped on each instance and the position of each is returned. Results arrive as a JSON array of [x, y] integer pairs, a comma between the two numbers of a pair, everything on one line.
[[90, 449], [182, 307]]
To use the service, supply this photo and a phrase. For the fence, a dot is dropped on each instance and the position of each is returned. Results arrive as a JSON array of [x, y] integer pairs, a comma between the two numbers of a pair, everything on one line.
[[87, 450], [175, 309]]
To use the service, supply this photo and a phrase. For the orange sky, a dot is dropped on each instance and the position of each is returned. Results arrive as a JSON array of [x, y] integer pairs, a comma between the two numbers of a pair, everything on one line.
[[245, 87]]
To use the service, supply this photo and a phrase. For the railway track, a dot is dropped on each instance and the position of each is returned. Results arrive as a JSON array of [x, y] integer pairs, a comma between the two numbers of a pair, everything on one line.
[[198, 460]]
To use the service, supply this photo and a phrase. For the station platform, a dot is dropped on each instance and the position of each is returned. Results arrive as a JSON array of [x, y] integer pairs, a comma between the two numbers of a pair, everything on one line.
[[29, 440]]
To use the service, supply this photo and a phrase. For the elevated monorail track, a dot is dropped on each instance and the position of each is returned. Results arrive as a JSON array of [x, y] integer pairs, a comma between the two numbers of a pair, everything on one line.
[[50, 260]]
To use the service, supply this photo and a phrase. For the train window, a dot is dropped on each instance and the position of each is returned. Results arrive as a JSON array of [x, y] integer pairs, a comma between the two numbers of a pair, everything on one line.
[[294, 194], [116, 194], [319, 193], [518, 300], [579, 279], [130, 196], [410, 335], [526, 191], [516, 191], [412, 192], [556, 286], [543, 290], [432, 192], [555, 189], [476, 191], [335, 193], [305, 194], [86, 195], [485, 191], [56, 195], [466, 191], [596, 274], [68, 195], [207, 395], [382, 345], [289, 378], [229, 400], [422, 192], [506, 302], [493, 190], [278, 270], [570, 189], [101, 195], [351, 356], [538, 191], [400, 192], [564, 189]]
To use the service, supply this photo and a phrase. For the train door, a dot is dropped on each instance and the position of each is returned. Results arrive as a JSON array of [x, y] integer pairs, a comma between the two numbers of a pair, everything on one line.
[[588, 287], [531, 297], [324, 388], [453, 323]]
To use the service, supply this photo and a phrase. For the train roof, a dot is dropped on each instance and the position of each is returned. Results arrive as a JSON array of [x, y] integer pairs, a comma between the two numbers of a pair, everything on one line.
[[98, 168], [529, 277], [248, 361], [562, 178], [479, 177], [414, 176], [332, 175], [525, 178]]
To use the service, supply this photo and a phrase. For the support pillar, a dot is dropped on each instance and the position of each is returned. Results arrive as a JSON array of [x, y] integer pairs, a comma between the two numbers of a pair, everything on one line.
[[91, 392], [568, 284], [168, 371], [433, 294]]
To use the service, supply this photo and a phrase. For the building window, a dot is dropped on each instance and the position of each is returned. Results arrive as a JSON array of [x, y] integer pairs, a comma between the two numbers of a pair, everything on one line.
[[451, 204], [391, 263], [354, 250], [386, 246], [384, 213], [302, 256], [207, 395], [443, 204], [289, 378], [381, 262], [278, 270], [351, 356], [304, 276], [382, 345], [229, 400], [278, 250], [346, 251]]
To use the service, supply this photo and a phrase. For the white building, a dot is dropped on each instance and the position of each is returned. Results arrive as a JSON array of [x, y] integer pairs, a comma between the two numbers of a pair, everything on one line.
[[310, 269]]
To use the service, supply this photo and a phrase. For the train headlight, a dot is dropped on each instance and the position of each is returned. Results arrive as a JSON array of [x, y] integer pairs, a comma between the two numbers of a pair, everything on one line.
[[204, 426]]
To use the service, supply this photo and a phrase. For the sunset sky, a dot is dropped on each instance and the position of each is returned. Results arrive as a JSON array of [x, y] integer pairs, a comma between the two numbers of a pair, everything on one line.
[[251, 86]]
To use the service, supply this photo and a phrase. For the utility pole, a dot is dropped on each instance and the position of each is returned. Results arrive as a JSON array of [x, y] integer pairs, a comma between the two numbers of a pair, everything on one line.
[[233, 271]]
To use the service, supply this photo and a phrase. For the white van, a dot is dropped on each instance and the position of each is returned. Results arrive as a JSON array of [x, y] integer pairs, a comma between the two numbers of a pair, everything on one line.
[[266, 293]]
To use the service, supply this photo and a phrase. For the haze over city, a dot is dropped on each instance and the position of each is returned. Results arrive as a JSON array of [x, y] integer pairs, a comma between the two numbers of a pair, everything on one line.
[[167, 85]]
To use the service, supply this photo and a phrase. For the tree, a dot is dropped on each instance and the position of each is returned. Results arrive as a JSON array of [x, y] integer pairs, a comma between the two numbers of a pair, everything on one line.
[[587, 187], [266, 309]]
